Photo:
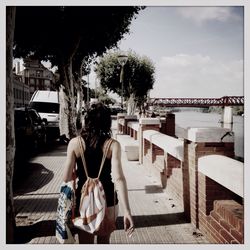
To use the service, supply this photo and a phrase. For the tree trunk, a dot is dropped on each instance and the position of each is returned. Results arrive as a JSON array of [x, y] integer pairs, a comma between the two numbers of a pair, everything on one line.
[[69, 118], [10, 134], [80, 95], [79, 106], [63, 124]]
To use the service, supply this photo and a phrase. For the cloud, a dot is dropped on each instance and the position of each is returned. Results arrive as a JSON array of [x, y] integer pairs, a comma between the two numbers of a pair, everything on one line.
[[203, 14], [197, 76]]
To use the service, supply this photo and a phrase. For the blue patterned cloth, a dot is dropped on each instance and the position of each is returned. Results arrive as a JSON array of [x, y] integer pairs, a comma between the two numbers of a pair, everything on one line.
[[64, 214]]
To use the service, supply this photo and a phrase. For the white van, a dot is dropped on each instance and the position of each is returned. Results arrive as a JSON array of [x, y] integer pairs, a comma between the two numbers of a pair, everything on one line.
[[46, 103]]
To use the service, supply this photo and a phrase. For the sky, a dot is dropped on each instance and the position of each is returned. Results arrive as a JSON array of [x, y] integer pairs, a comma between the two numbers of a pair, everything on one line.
[[197, 51]]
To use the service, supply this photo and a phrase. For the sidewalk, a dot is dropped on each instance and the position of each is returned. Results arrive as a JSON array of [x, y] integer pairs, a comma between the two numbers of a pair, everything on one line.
[[158, 219]]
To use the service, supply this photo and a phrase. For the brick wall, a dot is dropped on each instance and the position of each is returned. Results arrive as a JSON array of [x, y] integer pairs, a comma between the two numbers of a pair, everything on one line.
[[147, 148], [174, 185], [144, 127], [135, 134], [174, 178], [126, 129], [120, 117], [196, 150], [156, 151], [209, 206], [168, 126], [167, 170], [225, 223], [186, 181]]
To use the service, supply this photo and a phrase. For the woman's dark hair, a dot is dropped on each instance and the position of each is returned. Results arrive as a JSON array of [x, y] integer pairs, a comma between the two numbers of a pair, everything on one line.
[[97, 124]]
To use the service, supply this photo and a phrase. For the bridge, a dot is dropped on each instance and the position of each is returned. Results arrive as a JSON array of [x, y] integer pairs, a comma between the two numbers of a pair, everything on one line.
[[197, 102]]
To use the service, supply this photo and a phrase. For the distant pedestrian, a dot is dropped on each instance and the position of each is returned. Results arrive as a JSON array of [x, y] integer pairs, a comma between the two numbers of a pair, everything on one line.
[[96, 132]]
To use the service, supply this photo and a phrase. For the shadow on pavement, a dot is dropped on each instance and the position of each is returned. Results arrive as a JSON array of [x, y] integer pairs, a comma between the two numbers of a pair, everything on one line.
[[149, 189], [41, 205], [30, 177], [154, 220], [54, 149], [25, 234]]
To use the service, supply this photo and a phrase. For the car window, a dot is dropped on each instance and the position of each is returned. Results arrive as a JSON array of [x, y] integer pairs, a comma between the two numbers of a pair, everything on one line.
[[34, 116], [45, 107]]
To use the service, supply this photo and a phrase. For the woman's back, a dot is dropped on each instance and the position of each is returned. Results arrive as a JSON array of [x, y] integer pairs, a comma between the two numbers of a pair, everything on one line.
[[96, 130], [93, 158]]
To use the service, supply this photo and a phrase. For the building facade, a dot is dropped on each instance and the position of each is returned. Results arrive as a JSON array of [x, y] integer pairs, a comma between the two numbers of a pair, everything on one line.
[[21, 92], [33, 77]]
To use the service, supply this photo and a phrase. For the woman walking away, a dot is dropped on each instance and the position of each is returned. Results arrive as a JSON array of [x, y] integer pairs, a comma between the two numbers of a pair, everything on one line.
[[95, 135]]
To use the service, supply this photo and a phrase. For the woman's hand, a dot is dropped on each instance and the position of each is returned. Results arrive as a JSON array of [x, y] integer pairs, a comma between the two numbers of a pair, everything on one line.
[[128, 224]]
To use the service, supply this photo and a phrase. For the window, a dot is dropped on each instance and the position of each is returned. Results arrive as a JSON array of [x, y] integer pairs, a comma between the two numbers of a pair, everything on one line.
[[45, 107], [34, 116]]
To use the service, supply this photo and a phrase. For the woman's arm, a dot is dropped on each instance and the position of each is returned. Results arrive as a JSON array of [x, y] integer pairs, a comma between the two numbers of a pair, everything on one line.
[[121, 186], [70, 162]]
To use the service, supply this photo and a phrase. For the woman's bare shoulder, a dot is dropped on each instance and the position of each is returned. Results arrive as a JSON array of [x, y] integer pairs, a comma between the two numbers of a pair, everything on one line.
[[115, 146], [74, 143], [115, 143], [73, 146]]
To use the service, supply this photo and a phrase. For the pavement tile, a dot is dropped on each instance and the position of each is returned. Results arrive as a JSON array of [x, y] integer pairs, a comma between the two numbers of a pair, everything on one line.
[[156, 220]]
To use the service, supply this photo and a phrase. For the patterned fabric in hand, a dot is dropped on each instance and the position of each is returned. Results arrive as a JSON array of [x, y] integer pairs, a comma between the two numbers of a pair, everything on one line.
[[64, 214]]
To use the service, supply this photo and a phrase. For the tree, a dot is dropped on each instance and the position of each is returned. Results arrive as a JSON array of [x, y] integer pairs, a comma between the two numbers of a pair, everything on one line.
[[10, 136], [67, 36], [102, 96], [138, 77]]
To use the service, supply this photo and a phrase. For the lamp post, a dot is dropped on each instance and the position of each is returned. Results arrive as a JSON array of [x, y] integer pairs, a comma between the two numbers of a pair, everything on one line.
[[122, 59]]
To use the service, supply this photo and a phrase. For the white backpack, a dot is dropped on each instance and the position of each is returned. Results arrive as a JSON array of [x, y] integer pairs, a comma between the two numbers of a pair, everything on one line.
[[93, 205]]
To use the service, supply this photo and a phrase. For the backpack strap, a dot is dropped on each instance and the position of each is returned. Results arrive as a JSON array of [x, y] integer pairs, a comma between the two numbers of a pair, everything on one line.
[[81, 143], [105, 152]]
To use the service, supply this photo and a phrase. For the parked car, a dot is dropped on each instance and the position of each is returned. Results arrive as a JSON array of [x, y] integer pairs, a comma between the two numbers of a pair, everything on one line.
[[46, 103], [30, 130]]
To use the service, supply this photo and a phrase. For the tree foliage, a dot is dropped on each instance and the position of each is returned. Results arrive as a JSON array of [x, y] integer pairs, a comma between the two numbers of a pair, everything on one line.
[[68, 37], [138, 75], [56, 32]]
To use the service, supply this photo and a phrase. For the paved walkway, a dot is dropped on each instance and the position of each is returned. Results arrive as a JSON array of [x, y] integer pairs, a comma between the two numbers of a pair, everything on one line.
[[158, 219]]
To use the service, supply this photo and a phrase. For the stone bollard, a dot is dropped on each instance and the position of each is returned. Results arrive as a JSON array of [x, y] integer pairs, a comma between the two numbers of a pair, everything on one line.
[[200, 142], [146, 124]]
